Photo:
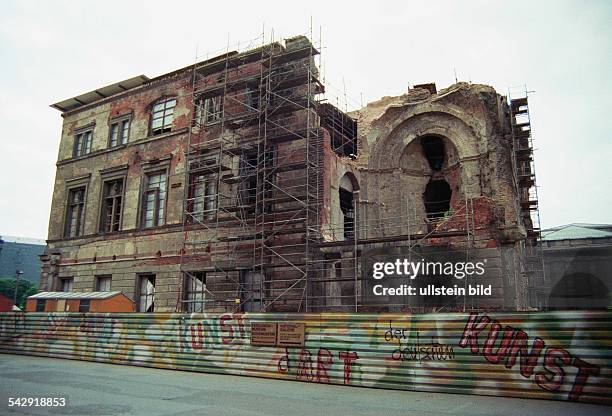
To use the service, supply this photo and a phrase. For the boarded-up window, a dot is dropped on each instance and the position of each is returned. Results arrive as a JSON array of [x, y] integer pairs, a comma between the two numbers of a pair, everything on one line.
[[146, 293], [195, 291], [202, 197]]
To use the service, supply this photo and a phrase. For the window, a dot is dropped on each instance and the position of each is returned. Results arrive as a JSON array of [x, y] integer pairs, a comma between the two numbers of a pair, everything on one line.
[[437, 198], [103, 283], [252, 98], [119, 132], [146, 293], [82, 143], [202, 197], [40, 305], [195, 288], [348, 211], [84, 305], [66, 284], [210, 109], [74, 212], [162, 116], [433, 149], [154, 199], [112, 203]]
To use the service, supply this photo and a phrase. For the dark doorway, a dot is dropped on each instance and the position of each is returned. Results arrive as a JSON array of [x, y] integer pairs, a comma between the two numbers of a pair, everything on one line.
[[579, 291]]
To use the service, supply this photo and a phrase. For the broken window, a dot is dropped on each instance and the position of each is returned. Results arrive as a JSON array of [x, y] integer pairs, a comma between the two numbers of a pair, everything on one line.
[[195, 291], [40, 305], [252, 98], [248, 186], [119, 132], [66, 284], [437, 199], [146, 293], [162, 116], [74, 212], [348, 211], [250, 290], [433, 149], [154, 200], [210, 109], [103, 283], [112, 203], [82, 143], [342, 130], [84, 305], [202, 201]]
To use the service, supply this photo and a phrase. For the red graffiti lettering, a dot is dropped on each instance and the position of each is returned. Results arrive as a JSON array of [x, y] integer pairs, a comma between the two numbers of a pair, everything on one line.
[[471, 331], [487, 351], [225, 327], [324, 363], [519, 346], [553, 381], [584, 371], [197, 336], [304, 369], [348, 358]]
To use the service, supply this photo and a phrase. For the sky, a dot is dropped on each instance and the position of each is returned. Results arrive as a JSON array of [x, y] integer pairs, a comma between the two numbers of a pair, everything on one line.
[[561, 50]]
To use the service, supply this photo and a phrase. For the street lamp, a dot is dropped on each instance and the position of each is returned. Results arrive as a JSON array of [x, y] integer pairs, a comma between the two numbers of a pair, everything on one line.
[[18, 273]]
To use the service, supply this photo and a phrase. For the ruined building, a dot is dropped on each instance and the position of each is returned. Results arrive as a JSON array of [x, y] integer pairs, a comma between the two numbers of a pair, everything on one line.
[[234, 185]]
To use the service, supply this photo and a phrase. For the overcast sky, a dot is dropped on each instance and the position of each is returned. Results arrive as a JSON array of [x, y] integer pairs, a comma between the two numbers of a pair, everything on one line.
[[52, 50]]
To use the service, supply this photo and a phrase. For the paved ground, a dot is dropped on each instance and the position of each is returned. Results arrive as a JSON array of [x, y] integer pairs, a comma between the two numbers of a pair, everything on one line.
[[105, 389]]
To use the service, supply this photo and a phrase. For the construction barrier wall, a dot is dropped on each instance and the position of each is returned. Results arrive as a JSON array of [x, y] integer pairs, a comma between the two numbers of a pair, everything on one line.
[[545, 355]]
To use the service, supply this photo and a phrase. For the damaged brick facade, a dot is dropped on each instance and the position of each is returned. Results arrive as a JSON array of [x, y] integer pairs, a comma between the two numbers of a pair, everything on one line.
[[233, 177]]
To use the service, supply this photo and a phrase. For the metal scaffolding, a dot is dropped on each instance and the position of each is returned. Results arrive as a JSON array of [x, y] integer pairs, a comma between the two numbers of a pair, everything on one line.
[[529, 253], [255, 235]]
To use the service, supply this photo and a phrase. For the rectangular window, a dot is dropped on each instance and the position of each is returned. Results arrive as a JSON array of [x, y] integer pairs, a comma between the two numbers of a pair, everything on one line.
[[212, 109], [82, 143], [162, 116], [119, 132], [74, 212], [66, 284], [84, 305], [195, 288], [252, 98], [112, 204], [154, 200], [146, 293], [202, 197], [103, 283], [40, 305]]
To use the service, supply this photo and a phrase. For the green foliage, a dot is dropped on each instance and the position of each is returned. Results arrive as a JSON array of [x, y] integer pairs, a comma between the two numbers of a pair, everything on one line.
[[25, 289]]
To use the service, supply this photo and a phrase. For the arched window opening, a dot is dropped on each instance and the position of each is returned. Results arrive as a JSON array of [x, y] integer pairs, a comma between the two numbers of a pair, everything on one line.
[[433, 149], [579, 291], [348, 211], [437, 199]]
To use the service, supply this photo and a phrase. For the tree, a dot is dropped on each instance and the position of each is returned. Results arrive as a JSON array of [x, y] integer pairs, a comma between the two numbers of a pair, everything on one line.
[[25, 289]]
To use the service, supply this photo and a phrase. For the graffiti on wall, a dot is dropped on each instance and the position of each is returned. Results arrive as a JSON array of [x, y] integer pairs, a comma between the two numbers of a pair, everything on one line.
[[553, 355], [419, 350], [514, 342]]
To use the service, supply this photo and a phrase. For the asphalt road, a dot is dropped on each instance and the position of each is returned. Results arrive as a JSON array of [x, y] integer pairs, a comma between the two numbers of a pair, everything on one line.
[[106, 389]]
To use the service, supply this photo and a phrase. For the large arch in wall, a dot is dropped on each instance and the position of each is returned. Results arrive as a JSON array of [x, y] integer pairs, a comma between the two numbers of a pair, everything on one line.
[[579, 291], [389, 147]]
